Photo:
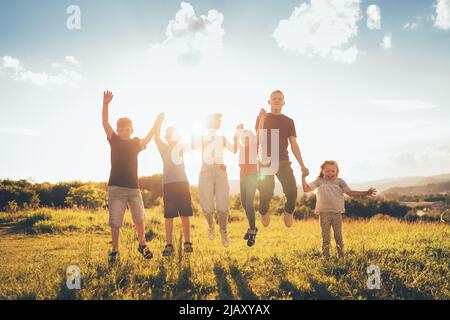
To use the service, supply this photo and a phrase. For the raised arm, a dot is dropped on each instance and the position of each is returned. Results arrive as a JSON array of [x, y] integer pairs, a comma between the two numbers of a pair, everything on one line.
[[298, 155], [107, 98], [370, 192], [261, 119], [152, 133], [260, 124], [157, 128], [233, 147]]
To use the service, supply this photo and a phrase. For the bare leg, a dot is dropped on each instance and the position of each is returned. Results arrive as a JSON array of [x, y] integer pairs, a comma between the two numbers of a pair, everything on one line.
[[140, 229], [186, 229], [169, 230], [115, 233]]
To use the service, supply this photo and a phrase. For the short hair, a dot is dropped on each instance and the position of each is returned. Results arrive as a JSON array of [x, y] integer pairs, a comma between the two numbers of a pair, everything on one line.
[[277, 91], [124, 122], [212, 118]]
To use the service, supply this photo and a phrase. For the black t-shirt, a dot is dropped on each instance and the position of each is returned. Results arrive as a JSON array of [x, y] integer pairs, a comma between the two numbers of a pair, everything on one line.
[[286, 128], [124, 162]]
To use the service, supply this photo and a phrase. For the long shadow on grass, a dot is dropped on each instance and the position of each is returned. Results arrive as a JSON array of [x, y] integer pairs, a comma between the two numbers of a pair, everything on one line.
[[149, 235], [183, 288], [26, 225], [222, 283], [157, 283], [319, 291], [244, 290], [65, 293]]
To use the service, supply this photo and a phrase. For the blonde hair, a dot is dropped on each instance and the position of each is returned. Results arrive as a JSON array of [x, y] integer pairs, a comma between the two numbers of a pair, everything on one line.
[[326, 163], [124, 122]]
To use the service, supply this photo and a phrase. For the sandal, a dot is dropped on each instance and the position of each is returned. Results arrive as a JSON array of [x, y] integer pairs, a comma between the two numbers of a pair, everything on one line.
[[168, 250], [188, 247], [247, 235], [113, 258], [145, 251], [251, 238]]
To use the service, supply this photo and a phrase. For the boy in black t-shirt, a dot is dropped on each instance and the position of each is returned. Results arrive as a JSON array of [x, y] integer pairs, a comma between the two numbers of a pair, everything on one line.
[[123, 185]]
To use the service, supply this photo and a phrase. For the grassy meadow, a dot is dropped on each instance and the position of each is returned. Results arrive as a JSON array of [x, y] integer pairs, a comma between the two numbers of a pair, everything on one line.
[[37, 246]]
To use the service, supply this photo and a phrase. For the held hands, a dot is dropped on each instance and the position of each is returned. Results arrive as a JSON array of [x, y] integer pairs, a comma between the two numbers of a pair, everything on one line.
[[372, 192], [305, 172], [161, 117], [262, 113], [107, 97]]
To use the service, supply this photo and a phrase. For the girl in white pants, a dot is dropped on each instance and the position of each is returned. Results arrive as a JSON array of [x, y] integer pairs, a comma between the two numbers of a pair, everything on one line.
[[213, 181]]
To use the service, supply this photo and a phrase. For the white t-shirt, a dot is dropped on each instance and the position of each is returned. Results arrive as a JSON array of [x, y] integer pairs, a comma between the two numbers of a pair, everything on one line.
[[330, 194]]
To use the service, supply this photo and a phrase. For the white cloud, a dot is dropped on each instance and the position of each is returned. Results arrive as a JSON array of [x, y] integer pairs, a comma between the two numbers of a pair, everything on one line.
[[402, 105], [62, 74], [410, 26], [387, 41], [71, 59], [190, 39], [373, 17], [442, 18], [322, 28]]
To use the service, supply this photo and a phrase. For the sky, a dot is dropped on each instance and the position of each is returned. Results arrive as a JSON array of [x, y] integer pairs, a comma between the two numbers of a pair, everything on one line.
[[366, 82]]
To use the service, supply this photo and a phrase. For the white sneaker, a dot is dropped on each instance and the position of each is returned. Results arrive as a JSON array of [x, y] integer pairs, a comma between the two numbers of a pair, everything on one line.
[[211, 232], [288, 219], [225, 239], [265, 219]]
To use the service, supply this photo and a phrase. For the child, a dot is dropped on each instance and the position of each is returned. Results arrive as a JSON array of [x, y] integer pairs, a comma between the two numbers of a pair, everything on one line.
[[213, 180], [176, 193], [248, 163], [123, 185], [330, 203], [277, 122]]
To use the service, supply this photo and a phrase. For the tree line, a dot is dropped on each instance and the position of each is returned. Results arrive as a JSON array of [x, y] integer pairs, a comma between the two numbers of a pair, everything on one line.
[[23, 194]]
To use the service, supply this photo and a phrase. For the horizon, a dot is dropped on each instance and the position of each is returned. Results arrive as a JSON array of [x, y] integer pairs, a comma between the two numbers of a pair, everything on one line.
[[372, 97], [30, 179]]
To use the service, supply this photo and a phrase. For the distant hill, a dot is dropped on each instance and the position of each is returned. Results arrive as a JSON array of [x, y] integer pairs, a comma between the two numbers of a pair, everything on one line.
[[404, 185], [430, 188], [386, 184]]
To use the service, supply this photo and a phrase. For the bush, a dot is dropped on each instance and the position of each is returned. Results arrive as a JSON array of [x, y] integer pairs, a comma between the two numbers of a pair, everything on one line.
[[55, 195], [18, 193], [303, 212], [12, 206], [87, 196]]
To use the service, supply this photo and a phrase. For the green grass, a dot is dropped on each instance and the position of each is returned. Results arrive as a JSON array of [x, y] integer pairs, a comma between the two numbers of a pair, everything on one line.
[[37, 247]]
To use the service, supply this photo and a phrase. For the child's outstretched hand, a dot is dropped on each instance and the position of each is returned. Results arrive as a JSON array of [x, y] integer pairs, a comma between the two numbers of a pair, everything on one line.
[[107, 97], [372, 192]]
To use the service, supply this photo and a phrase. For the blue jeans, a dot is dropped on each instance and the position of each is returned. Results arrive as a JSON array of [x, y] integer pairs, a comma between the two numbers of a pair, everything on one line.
[[248, 190]]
